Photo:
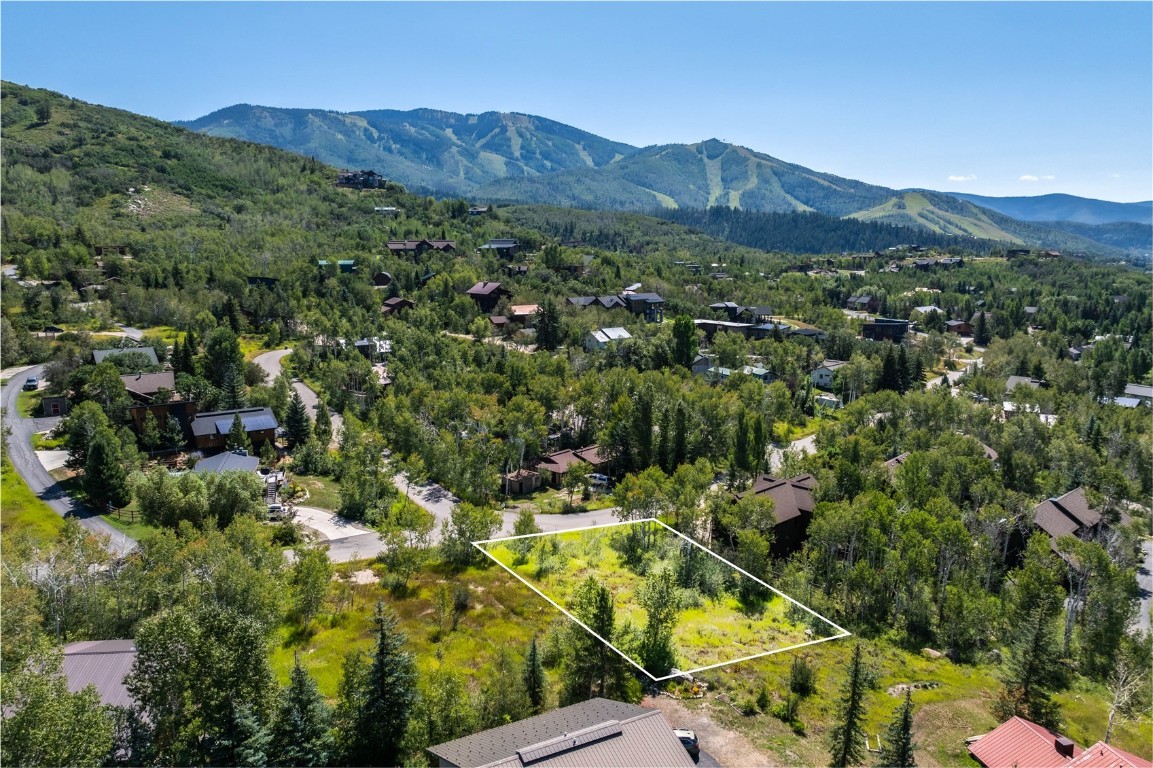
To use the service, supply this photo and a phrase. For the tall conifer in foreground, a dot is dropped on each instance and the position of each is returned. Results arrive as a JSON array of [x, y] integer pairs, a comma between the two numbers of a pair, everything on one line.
[[848, 735]]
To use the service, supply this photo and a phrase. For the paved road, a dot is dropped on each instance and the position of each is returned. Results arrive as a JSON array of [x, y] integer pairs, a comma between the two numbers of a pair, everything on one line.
[[36, 476], [1145, 585], [804, 445], [272, 364]]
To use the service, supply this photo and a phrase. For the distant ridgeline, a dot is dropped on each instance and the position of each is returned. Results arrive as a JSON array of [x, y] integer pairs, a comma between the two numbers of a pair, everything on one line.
[[810, 232]]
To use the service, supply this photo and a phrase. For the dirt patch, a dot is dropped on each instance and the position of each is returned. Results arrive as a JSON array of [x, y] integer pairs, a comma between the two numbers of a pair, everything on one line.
[[729, 748], [366, 576]]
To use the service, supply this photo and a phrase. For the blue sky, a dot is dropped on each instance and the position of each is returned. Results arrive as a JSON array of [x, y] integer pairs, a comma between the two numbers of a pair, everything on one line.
[[992, 98]]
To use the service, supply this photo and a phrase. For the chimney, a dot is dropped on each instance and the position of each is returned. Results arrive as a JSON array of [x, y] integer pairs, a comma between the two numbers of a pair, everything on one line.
[[1064, 746]]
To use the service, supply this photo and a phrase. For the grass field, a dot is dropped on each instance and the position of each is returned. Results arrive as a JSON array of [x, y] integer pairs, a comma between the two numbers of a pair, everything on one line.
[[28, 403], [22, 510], [710, 630], [41, 442], [500, 616], [323, 492]]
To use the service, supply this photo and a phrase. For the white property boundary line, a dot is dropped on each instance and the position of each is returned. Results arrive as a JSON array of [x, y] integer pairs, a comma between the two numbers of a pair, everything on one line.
[[480, 545]]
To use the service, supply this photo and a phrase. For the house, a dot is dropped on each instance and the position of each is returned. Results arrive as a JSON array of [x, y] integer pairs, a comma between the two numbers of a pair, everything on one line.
[[826, 400], [54, 405], [505, 247], [210, 430], [343, 266], [516, 270], [729, 308], [648, 305], [712, 327], [258, 281], [581, 301], [523, 314], [611, 302], [822, 375], [1067, 515], [1142, 392], [144, 386], [395, 304], [1020, 742], [478, 210], [228, 461], [700, 365], [181, 410], [767, 330], [927, 308], [100, 355], [756, 315], [885, 329], [100, 251], [419, 247], [959, 327], [1022, 381], [760, 374], [892, 464], [386, 210], [597, 732], [1126, 402], [601, 338], [103, 664], [499, 322], [487, 294], [792, 508], [360, 180], [863, 303], [381, 280], [373, 349], [815, 334], [553, 466], [520, 482]]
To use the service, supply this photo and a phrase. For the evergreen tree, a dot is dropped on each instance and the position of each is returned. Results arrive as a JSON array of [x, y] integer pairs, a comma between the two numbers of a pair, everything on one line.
[[680, 450], [323, 426], [105, 471], [549, 325], [300, 734], [232, 393], [898, 748], [534, 680], [889, 375], [848, 734], [296, 422], [664, 440], [741, 449], [382, 697], [981, 335], [238, 436], [642, 429], [1033, 670], [684, 341], [247, 741], [904, 374]]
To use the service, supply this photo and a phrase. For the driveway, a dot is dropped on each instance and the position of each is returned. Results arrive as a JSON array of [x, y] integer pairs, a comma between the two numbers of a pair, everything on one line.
[[345, 539], [28, 466], [272, 363], [1145, 586], [804, 445]]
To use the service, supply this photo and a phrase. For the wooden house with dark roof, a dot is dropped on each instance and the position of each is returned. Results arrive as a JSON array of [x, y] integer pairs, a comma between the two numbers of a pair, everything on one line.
[[504, 247], [792, 507], [1068, 515], [395, 304], [210, 430], [487, 294]]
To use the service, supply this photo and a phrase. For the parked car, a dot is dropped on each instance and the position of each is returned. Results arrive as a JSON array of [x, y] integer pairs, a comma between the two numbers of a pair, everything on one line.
[[689, 739], [31, 384], [275, 511]]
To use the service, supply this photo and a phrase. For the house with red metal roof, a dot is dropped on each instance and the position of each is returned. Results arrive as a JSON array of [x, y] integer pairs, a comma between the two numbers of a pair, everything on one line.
[[1017, 743]]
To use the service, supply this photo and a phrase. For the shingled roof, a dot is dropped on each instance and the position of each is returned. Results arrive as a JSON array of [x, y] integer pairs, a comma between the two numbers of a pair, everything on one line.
[[1066, 514], [791, 498], [597, 732]]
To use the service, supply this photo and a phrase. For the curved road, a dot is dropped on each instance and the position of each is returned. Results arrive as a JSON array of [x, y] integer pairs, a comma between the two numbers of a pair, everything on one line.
[[28, 466]]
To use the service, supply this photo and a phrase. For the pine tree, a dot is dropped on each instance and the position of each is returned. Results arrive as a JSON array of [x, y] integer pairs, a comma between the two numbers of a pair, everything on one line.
[[898, 749], [848, 735], [238, 436], [232, 393], [300, 735], [1032, 671], [323, 426], [981, 331], [534, 679], [247, 742], [549, 325], [680, 449], [384, 701], [105, 473], [296, 422], [904, 377]]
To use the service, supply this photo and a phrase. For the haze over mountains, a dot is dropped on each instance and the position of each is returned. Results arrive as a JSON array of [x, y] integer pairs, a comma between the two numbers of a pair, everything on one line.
[[511, 157]]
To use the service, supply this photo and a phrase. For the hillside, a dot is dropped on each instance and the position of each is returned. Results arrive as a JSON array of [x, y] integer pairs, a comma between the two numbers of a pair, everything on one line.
[[425, 149], [1057, 207]]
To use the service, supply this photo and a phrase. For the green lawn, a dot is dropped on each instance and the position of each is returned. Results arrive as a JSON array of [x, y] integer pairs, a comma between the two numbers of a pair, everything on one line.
[[137, 529], [323, 492], [28, 403], [40, 442], [22, 511]]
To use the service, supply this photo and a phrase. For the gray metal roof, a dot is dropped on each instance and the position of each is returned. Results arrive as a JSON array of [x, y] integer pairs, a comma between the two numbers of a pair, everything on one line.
[[102, 663], [99, 354], [219, 422], [499, 744], [149, 383], [226, 462]]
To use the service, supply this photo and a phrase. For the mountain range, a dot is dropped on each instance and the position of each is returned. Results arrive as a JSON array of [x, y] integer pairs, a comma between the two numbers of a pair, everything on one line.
[[518, 158]]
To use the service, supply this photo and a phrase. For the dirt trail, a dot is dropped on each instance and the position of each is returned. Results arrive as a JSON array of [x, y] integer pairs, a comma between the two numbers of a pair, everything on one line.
[[729, 748]]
